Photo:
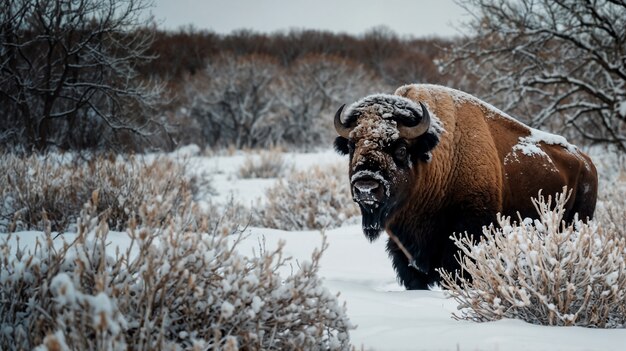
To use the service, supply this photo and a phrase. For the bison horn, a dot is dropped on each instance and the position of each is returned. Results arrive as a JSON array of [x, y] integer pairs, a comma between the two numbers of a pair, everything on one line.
[[341, 129], [417, 130]]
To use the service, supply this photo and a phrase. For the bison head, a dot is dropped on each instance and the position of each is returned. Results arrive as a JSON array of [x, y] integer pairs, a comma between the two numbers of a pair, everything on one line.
[[385, 136]]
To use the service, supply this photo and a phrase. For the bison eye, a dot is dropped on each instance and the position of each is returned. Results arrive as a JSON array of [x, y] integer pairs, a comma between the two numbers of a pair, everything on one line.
[[400, 153]]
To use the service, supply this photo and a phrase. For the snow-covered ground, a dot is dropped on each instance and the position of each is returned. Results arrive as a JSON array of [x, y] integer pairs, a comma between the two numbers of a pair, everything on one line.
[[391, 318], [387, 317]]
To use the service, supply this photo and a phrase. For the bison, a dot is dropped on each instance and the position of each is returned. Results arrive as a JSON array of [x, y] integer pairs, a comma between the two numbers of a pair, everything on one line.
[[430, 161]]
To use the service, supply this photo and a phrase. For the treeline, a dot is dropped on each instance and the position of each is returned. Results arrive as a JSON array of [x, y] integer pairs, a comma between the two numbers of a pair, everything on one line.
[[250, 89], [397, 60]]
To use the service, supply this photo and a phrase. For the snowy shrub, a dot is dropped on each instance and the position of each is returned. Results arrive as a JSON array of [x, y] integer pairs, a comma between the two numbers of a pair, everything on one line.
[[267, 164], [231, 217], [171, 288], [611, 208], [55, 187], [313, 199], [544, 271]]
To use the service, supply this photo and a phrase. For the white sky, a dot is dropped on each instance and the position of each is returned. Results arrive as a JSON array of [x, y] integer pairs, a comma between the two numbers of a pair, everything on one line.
[[416, 18]]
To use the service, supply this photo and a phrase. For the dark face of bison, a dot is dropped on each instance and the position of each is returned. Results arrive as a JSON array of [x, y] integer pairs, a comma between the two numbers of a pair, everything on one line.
[[385, 136]]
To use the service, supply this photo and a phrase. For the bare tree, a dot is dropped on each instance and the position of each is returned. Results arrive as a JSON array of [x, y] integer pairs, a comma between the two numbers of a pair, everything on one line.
[[250, 101], [560, 63], [234, 102], [312, 89], [68, 72]]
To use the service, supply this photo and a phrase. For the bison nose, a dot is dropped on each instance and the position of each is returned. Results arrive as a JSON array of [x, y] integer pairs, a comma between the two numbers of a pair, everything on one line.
[[366, 186], [367, 191]]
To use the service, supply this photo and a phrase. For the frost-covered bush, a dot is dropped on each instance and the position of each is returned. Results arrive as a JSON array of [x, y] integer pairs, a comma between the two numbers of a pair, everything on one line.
[[312, 199], [267, 164], [172, 288], [611, 208], [229, 217], [544, 272], [53, 188]]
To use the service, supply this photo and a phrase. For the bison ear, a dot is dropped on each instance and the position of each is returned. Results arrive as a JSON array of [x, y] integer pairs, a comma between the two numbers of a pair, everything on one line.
[[423, 145], [341, 146]]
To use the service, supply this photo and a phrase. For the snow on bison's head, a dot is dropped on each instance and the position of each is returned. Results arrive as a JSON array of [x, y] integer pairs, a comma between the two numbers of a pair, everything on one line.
[[384, 135]]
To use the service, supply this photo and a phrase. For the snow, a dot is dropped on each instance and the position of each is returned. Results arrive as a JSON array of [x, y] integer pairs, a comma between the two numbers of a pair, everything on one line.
[[387, 316], [388, 106], [529, 145], [391, 318], [223, 173], [612, 278], [463, 97], [227, 309], [622, 108], [63, 289]]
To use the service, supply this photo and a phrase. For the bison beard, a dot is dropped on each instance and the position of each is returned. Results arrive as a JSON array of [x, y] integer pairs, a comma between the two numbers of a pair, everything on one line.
[[373, 220]]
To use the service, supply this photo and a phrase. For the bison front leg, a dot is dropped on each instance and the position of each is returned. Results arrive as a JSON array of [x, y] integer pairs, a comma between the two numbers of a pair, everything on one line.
[[414, 275]]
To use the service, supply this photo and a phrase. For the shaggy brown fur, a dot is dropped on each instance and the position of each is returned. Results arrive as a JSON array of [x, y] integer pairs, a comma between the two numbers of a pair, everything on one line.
[[472, 163]]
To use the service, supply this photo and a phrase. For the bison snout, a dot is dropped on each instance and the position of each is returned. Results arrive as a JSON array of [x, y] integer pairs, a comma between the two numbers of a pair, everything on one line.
[[367, 192]]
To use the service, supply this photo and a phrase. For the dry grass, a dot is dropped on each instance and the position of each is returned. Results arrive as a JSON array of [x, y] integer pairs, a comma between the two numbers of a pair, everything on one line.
[[313, 199], [546, 272]]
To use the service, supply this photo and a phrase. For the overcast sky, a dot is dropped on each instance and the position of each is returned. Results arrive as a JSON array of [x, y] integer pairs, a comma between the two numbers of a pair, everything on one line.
[[417, 18]]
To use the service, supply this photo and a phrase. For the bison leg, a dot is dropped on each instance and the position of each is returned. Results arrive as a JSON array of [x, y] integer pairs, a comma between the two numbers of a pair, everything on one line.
[[409, 273]]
